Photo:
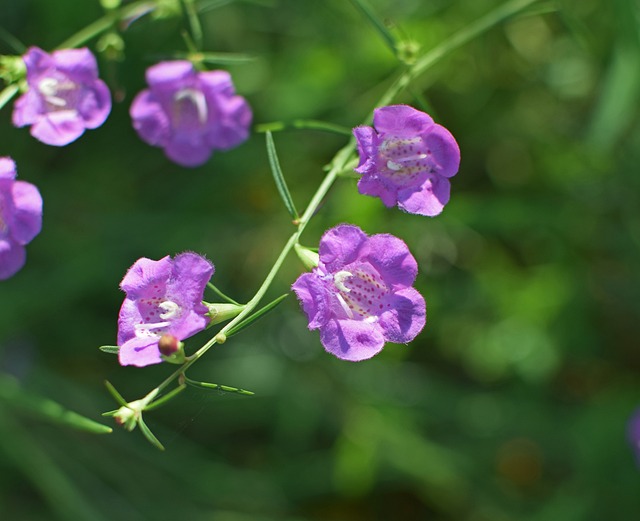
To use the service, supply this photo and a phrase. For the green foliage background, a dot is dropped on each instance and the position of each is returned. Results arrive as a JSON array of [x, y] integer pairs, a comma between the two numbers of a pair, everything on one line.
[[513, 402]]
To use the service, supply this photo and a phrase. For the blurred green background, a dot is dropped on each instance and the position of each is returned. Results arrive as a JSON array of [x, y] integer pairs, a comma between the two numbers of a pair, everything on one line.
[[513, 402]]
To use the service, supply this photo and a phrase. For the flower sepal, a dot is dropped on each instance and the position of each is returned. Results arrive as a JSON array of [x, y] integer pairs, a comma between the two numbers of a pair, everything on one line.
[[221, 312], [12, 69], [308, 257]]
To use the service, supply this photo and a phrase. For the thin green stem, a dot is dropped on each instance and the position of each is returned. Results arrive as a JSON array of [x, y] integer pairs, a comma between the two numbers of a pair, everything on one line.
[[471, 31], [345, 155], [105, 23]]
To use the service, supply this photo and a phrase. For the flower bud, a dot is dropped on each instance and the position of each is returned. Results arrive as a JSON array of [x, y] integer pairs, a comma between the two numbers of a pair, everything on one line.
[[309, 258], [171, 349], [168, 344], [127, 416], [222, 312]]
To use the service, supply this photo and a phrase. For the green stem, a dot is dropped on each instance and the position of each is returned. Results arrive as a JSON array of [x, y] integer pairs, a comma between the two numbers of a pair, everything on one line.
[[471, 31], [344, 156], [105, 23]]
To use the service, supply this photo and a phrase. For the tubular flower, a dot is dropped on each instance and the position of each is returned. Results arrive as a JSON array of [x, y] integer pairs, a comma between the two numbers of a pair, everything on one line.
[[189, 113], [164, 297], [407, 160], [20, 218], [65, 95], [360, 295]]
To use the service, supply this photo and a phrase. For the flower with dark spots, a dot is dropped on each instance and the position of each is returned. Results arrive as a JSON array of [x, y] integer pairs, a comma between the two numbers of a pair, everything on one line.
[[189, 113], [360, 295], [20, 218], [406, 160], [65, 96], [164, 299]]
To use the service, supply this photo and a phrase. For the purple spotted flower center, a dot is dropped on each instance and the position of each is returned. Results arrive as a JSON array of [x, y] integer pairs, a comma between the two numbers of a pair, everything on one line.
[[158, 313], [59, 93], [404, 159], [360, 293]]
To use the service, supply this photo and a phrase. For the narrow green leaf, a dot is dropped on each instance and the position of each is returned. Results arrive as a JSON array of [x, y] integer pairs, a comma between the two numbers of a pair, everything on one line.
[[149, 435], [164, 399], [12, 41], [217, 387], [116, 395], [112, 350], [252, 318], [279, 177], [204, 5], [194, 22], [379, 25], [44, 408], [222, 295], [8, 93]]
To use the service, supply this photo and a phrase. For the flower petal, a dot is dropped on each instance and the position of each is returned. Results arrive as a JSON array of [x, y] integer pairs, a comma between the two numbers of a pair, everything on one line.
[[376, 186], [27, 216], [145, 272], [430, 200], [7, 168], [58, 128], [79, 64], [188, 150], [149, 119], [405, 318], [139, 352], [189, 278], [444, 150], [231, 122], [27, 109], [314, 298], [400, 121], [340, 246], [352, 340], [36, 61], [392, 259], [95, 105], [365, 138], [12, 258]]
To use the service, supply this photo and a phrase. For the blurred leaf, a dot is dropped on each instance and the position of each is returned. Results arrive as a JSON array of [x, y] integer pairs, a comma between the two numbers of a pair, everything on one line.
[[43, 408]]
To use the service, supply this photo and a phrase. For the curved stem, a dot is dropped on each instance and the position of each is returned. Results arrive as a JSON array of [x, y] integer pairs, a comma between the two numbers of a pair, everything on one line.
[[106, 22], [344, 156]]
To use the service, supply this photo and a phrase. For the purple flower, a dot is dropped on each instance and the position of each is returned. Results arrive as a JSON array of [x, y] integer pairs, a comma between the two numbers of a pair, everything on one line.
[[633, 434], [189, 113], [407, 160], [164, 297], [360, 295], [20, 218], [65, 95]]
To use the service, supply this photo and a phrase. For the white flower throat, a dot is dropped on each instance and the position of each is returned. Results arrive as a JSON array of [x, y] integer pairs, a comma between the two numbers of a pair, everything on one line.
[[170, 312], [57, 94], [187, 102]]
